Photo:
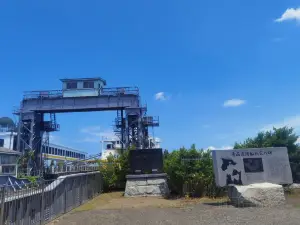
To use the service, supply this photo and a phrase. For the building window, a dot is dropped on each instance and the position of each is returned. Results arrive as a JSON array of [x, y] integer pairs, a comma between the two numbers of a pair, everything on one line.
[[71, 85], [88, 84], [8, 159], [1, 142], [8, 169]]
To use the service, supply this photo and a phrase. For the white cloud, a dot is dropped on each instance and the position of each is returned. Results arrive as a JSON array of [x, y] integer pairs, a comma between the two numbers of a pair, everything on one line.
[[93, 130], [290, 14], [298, 141], [234, 102], [90, 140], [293, 121], [160, 96], [221, 148], [94, 134], [54, 139], [277, 39]]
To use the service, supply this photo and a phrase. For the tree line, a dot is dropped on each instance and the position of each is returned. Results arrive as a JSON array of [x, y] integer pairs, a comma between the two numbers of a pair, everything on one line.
[[191, 169]]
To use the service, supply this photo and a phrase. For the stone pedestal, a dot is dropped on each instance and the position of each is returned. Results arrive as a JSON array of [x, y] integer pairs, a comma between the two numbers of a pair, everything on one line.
[[146, 185], [257, 195]]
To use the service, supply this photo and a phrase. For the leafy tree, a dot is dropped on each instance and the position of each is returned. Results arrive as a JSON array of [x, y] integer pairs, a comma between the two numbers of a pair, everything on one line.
[[281, 137], [27, 160], [191, 167], [60, 164], [165, 154], [114, 170], [108, 172]]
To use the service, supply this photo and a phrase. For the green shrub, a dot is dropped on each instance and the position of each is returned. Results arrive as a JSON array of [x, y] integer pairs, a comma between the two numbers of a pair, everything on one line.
[[184, 175], [114, 171], [191, 170]]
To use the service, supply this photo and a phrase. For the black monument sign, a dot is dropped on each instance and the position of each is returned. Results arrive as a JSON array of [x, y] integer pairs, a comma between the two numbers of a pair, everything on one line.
[[146, 161]]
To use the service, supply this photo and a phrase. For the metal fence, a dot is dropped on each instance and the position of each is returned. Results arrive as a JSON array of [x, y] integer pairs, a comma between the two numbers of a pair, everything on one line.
[[113, 91], [42, 202], [70, 169]]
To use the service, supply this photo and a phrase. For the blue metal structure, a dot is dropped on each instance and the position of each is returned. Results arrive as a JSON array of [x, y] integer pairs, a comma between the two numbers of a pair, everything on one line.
[[82, 95]]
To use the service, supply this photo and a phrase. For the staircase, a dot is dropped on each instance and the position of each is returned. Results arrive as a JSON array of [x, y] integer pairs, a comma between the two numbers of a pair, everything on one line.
[[118, 125], [51, 126]]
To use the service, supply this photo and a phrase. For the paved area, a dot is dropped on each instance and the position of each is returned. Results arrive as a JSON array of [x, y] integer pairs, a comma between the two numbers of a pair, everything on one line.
[[117, 210]]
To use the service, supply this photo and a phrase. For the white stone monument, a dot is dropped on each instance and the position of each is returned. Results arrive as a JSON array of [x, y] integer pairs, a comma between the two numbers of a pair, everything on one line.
[[254, 176]]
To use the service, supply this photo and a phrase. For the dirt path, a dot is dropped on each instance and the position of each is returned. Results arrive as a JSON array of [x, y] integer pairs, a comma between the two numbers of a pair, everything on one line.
[[113, 209]]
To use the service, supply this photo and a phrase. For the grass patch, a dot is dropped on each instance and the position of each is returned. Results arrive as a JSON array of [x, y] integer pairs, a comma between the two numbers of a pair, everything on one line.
[[102, 199], [116, 200]]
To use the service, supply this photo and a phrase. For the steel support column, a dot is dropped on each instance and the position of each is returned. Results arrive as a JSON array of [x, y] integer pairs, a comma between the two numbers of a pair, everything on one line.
[[30, 136]]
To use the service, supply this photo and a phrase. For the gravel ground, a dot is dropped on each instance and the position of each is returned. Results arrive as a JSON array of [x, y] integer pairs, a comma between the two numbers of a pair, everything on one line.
[[196, 213]]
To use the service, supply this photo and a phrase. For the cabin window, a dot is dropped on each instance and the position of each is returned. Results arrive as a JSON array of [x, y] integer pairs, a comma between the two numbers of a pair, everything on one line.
[[88, 84], [8, 159], [71, 85], [1, 142], [8, 169]]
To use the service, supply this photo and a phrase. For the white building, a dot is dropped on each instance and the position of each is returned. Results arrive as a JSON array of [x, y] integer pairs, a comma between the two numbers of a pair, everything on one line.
[[112, 146], [7, 139], [8, 157]]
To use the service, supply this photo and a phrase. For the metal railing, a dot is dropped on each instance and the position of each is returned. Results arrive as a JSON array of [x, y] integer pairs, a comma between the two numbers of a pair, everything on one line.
[[71, 169], [114, 91], [120, 91], [40, 203], [43, 94]]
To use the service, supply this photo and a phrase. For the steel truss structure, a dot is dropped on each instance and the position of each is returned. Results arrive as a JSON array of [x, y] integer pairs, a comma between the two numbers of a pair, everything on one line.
[[131, 124]]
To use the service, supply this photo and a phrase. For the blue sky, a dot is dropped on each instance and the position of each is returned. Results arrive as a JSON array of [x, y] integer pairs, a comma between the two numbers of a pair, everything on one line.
[[223, 70]]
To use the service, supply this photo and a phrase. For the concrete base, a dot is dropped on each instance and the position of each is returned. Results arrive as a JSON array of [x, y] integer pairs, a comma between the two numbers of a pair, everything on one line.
[[257, 195], [146, 185]]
